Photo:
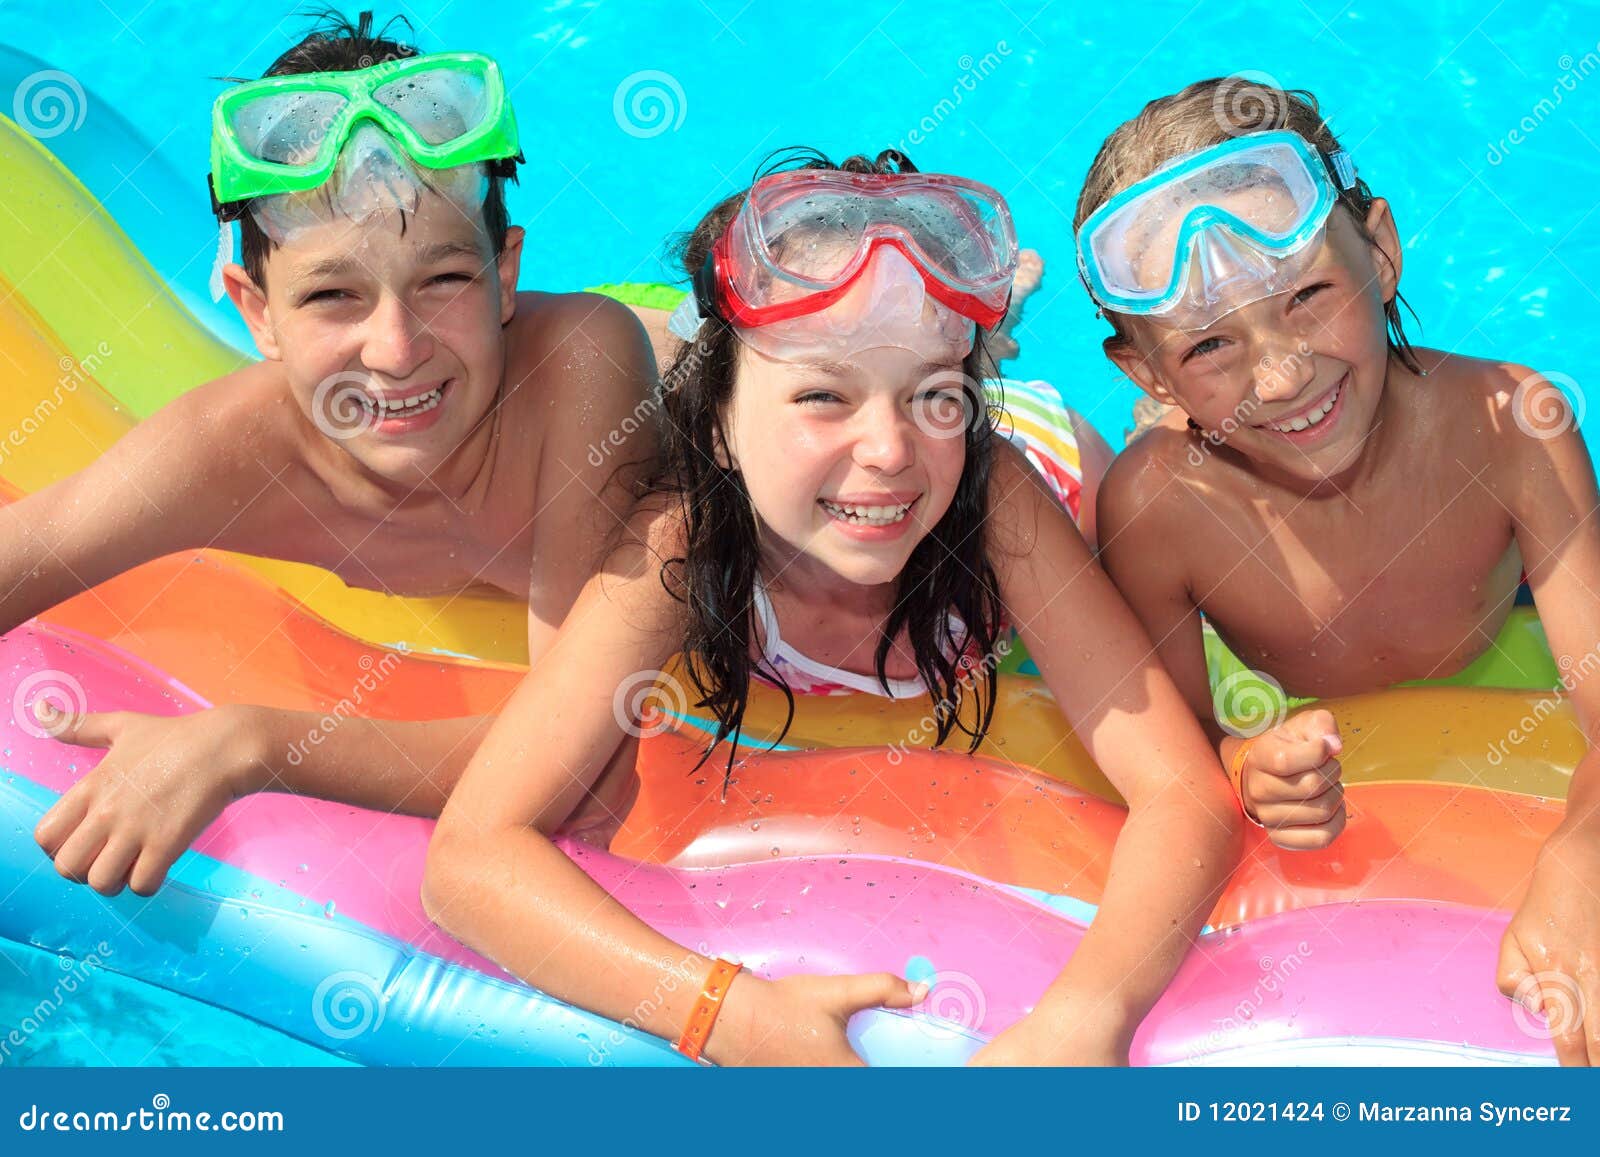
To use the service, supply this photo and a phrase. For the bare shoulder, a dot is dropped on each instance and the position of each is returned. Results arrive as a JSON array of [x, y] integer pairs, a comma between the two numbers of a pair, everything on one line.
[[1156, 482], [561, 340], [243, 422], [1509, 413], [640, 571]]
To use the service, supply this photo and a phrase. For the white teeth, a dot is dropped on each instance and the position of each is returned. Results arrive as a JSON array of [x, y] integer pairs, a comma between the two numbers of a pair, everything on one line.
[[417, 404], [1307, 420], [866, 515]]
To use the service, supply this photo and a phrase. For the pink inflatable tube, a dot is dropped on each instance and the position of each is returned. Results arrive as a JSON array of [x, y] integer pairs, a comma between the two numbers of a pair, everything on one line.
[[1412, 978]]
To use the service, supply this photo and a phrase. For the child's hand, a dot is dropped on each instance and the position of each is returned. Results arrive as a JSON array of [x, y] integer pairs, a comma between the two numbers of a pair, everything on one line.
[[800, 1020], [1548, 957], [1291, 782], [163, 779], [1047, 1036]]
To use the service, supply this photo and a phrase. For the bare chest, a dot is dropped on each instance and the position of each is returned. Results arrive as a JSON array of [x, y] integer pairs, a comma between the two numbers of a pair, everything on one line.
[[1337, 601]]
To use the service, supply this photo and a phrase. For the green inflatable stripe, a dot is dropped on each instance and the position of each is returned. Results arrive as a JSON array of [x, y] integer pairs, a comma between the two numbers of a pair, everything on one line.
[[1519, 661], [643, 294]]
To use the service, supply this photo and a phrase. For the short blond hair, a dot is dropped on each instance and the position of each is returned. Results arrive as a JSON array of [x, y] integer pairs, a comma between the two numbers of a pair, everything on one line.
[[1208, 113]]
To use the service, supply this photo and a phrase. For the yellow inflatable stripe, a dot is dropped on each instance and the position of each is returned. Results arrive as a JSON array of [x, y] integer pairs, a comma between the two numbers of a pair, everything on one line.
[[93, 288]]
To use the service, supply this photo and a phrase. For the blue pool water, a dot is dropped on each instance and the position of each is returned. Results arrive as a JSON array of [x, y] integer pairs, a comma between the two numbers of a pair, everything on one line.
[[1477, 119]]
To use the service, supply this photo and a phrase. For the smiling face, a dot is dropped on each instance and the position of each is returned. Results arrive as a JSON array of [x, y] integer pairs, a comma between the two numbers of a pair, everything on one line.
[[390, 330], [849, 464], [1292, 381]]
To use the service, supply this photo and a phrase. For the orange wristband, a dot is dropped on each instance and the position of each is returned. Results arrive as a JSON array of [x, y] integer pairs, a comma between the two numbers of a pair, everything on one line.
[[1236, 777], [704, 1013]]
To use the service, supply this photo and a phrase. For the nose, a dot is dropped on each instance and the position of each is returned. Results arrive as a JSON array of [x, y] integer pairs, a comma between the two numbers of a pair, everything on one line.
[[396, 342], [1282, 371], [885, 438]]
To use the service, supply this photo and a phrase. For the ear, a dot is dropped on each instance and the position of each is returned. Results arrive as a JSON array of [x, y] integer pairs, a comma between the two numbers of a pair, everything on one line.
[[251, 302], [1127, 358], [509, 265], [1386, 239]]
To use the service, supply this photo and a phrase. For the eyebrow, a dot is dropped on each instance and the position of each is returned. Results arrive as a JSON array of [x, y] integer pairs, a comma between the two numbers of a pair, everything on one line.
[[345, 263]]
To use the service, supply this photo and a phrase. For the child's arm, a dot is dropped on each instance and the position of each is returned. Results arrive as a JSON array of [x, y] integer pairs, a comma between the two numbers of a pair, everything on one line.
[[496, 881], [1290, 777], [1547, 958], [1182, 836], [172, 482]]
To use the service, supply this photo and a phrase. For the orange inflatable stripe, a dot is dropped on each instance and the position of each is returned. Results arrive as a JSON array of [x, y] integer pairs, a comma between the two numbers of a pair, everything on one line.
[[1427, 841]]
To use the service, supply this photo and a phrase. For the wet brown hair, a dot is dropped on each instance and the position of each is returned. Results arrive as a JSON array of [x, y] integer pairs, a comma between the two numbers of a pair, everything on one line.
[[949, 570], [1208, 113]]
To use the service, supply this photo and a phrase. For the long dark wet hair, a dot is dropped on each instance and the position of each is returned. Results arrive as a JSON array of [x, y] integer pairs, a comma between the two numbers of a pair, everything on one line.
[[715, 578]]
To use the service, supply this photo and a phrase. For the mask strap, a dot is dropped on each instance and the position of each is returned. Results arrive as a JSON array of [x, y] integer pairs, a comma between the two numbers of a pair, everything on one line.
[[224, 258]]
